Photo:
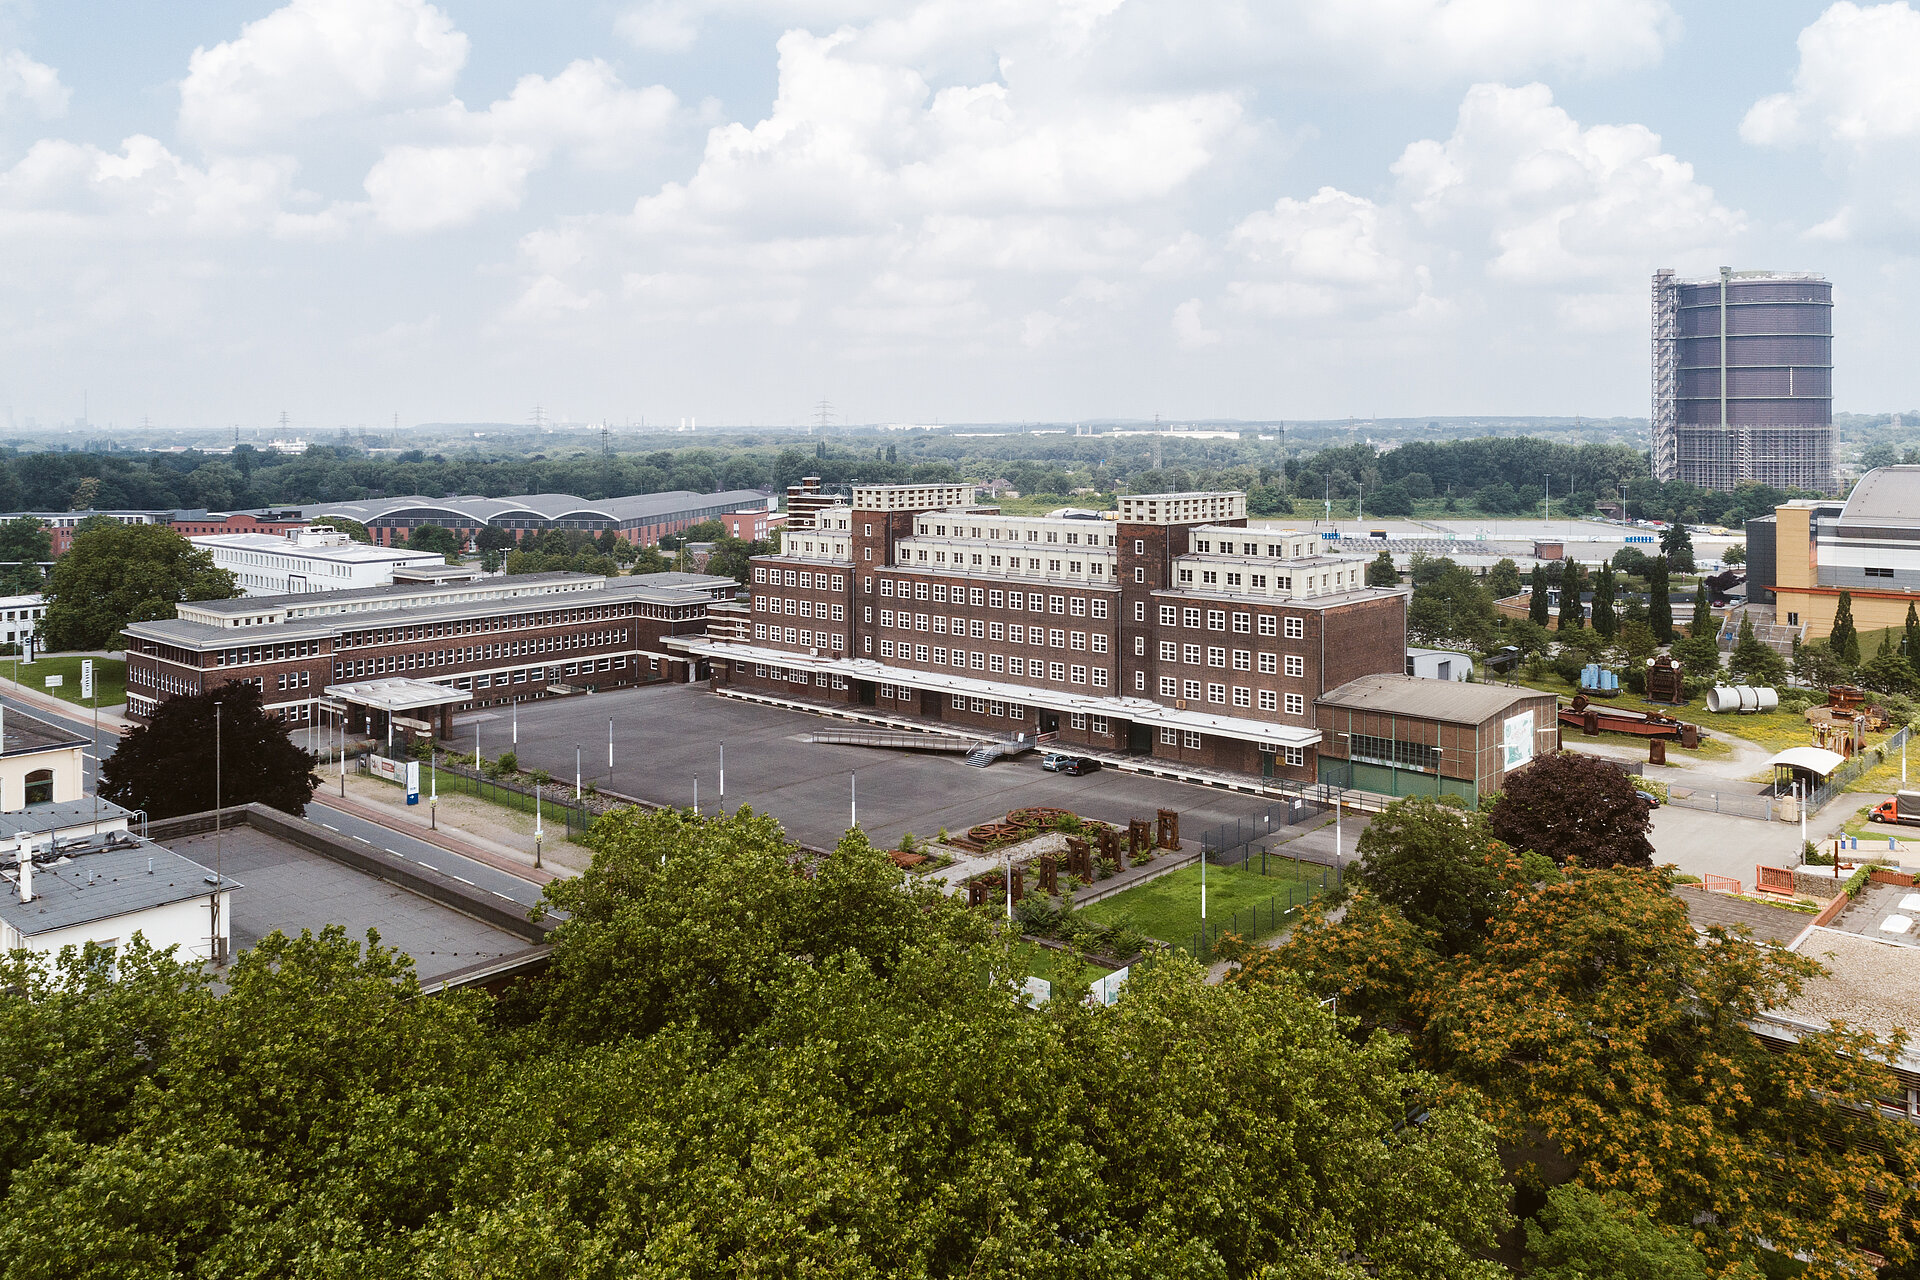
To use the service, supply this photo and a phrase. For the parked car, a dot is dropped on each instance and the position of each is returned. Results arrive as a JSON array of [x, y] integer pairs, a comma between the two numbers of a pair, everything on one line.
[[1078, 765], [1653, 801], [1055, 761]]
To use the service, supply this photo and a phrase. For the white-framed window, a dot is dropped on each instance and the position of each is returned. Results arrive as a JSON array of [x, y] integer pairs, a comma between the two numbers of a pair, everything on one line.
[[1139, 610], [1077, 640], [1078, 675], [1170, 737], [1269, 700], [1242, 660], [1189, 617], [996, 708], [1296, 665], [976, 660], [1099, 608], [886, 586], [1296, 756], [1268, 625], [1169, 616], [759, 573], [1056, 638], [1216, 656], [939, 655], [1216, 619], [1077, 720], [1169, 651], [839, 642], [1242, 622], [996, 664], [839, 613], [976, 628], [977, 705], [1296, 704], [1216, 693], [1296, 628], [1077, 606], [1268, 664], [1242, 696], [759, 631], [1190, 690], [919, 652], [1018, 666], [1191, 654], [792, 578], [1099, 725], [1099, 677], [1056, 671], [1140, 681], [1190, 740]]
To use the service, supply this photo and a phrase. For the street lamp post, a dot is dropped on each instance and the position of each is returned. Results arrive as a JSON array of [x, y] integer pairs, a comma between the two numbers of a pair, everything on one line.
[[723, 777], [853, 800], [576, 773], [539, 831]]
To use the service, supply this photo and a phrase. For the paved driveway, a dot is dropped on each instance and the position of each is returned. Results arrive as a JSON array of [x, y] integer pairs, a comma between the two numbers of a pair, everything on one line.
[[668, 735]]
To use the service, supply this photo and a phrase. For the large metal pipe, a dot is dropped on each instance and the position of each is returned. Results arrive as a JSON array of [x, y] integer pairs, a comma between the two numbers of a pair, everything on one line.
[[1741, 698]]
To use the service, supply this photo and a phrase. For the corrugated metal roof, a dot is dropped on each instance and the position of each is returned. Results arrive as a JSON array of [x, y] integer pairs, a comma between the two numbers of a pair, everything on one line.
[[1449, 700]]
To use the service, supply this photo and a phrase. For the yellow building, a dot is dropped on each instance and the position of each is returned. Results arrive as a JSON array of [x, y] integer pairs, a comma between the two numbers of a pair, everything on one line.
[[1868, 547], [40, 763]]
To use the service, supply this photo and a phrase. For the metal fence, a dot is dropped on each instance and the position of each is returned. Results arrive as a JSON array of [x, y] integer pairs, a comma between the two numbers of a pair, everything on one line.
[[458, 780], [1263, 918], [1233, 842], [1872, 758], [1732, 803]]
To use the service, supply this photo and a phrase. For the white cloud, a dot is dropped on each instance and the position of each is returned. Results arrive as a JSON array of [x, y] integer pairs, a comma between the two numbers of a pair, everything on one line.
[[142, 191], [1858, 82], [31, 84], [1555, 201], [318, 58], [584, 112], [1321, 256], [660, 26], [1189, 330]]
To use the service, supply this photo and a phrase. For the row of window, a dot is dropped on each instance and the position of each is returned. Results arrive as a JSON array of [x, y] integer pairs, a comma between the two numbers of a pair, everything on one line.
[[1217, 656], [804, 608], [1257, 581], [426, 660], [802, 578], [1030, 668], [978, 629], [475, 626], [1240, 695], [1243, 623], [1055, 536], [1015, 564], [993, 598], [801, 636], [266, 653], [800, 676]]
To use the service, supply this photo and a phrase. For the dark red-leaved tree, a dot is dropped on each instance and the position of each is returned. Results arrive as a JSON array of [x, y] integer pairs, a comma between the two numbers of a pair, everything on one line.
[[166, 766], [1568, 806]]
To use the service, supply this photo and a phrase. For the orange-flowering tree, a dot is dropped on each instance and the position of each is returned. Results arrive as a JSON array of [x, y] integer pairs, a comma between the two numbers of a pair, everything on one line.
[[1592, 1019]]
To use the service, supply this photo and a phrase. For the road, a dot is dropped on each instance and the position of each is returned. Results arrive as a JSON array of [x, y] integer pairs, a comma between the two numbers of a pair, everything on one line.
[[667, 739], [398, 843]]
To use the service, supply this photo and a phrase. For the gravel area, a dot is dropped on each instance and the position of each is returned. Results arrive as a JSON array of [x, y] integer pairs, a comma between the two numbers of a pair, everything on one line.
[[1870, 983]]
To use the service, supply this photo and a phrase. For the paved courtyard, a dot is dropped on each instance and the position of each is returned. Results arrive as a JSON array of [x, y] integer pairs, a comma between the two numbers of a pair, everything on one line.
[[666, 736]]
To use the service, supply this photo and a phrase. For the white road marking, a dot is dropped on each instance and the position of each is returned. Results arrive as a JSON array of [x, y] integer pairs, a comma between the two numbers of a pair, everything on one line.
[[428, 865], [396, 853], [329, 826], [496, 893], [462, 879]]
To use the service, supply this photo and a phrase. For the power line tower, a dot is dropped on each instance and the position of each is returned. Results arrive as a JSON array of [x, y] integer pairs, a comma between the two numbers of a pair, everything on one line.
[[606, 441], [822, 415], [539, 418], [283, 422]]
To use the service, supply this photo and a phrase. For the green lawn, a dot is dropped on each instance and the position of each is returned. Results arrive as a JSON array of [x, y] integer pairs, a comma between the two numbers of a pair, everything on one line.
[[109, 677], [1045, 962], [1168, 908]]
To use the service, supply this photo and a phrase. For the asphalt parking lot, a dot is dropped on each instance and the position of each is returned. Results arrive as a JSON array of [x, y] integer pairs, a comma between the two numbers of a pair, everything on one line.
[[666, 736]]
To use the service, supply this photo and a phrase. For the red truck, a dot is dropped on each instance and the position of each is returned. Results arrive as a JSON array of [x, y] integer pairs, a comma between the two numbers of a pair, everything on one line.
[[1904, 807]]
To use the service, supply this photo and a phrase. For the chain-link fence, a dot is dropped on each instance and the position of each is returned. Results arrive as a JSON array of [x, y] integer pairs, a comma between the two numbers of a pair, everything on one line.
[[462, 780], [1263, 918], [1232, 843]]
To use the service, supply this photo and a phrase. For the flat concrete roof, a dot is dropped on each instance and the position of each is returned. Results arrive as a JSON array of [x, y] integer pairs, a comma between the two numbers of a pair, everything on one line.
[[1870, 983], [1453, 701], [1766, 922], [290, 889], [110, 875]]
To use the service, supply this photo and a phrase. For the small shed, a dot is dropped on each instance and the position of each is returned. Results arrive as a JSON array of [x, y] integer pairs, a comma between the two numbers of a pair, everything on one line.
[[1439, 664], [1811, 766]]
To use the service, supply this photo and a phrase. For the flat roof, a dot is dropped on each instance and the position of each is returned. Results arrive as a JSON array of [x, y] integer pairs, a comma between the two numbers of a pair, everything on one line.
[[397, 694], [290, 889], [1871, 983], [277, 545], [1453, 701], [101, 877], [57, 815], [25, 735]]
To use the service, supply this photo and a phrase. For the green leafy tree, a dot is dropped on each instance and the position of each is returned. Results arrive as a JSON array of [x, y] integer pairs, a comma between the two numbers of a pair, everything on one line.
[[1701, 624], [1439, 864], [1503, 580], [1910, 637], [1676, 544], [1735, 554], [1583, 1236], [435, 538], [1537, 596], [1380, 571], [1700, 655], [1572, 583], [166, 766], [119, 574], [1844, 639], [1888, 672], [494, 538], [1659, 607], [651, 561], [1605, 623], [1753, 661], [1571, 806], [1450, 607], [1817, 666], [25, 545]]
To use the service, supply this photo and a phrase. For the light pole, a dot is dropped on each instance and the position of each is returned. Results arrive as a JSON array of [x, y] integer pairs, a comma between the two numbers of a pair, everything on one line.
[[516, 722], [539, 831], [696, 795], [576, 773], [853, 800], [610, 754], [433, 782], [723, 777]]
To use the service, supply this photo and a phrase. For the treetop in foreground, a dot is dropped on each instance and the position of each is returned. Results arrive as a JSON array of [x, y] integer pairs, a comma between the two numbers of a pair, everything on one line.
[[167, 765]]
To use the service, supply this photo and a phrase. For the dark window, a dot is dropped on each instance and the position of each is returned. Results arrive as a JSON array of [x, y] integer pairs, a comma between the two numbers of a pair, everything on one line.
[[40, 787], [1404, 755]]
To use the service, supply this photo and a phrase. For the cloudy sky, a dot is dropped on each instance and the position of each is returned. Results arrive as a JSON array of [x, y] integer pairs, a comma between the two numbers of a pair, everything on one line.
[[927, 209]]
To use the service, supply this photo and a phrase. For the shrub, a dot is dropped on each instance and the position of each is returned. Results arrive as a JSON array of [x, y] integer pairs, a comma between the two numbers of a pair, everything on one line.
[[540, 777], [906, 842], [510, 763], [1068, 822], [1858, 880], [1107, 868]]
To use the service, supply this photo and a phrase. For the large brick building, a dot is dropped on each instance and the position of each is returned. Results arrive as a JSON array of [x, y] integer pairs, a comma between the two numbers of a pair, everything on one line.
[[1176, 630], [459, 645]]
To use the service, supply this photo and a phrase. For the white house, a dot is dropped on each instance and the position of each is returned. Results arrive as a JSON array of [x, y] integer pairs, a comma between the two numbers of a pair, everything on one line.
[[104, 887], [1439, 664], [302, 560], [20, 617]]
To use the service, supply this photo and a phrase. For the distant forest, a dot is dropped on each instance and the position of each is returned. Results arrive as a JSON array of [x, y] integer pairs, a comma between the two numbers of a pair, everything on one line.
[[1495, 476]]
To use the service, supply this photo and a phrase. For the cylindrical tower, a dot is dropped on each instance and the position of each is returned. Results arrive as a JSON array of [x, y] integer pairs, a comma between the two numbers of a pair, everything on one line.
[[1754, 396]]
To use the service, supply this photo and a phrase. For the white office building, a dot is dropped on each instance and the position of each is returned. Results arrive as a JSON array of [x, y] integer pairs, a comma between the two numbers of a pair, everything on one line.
[[20, 617], [302, 560]]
